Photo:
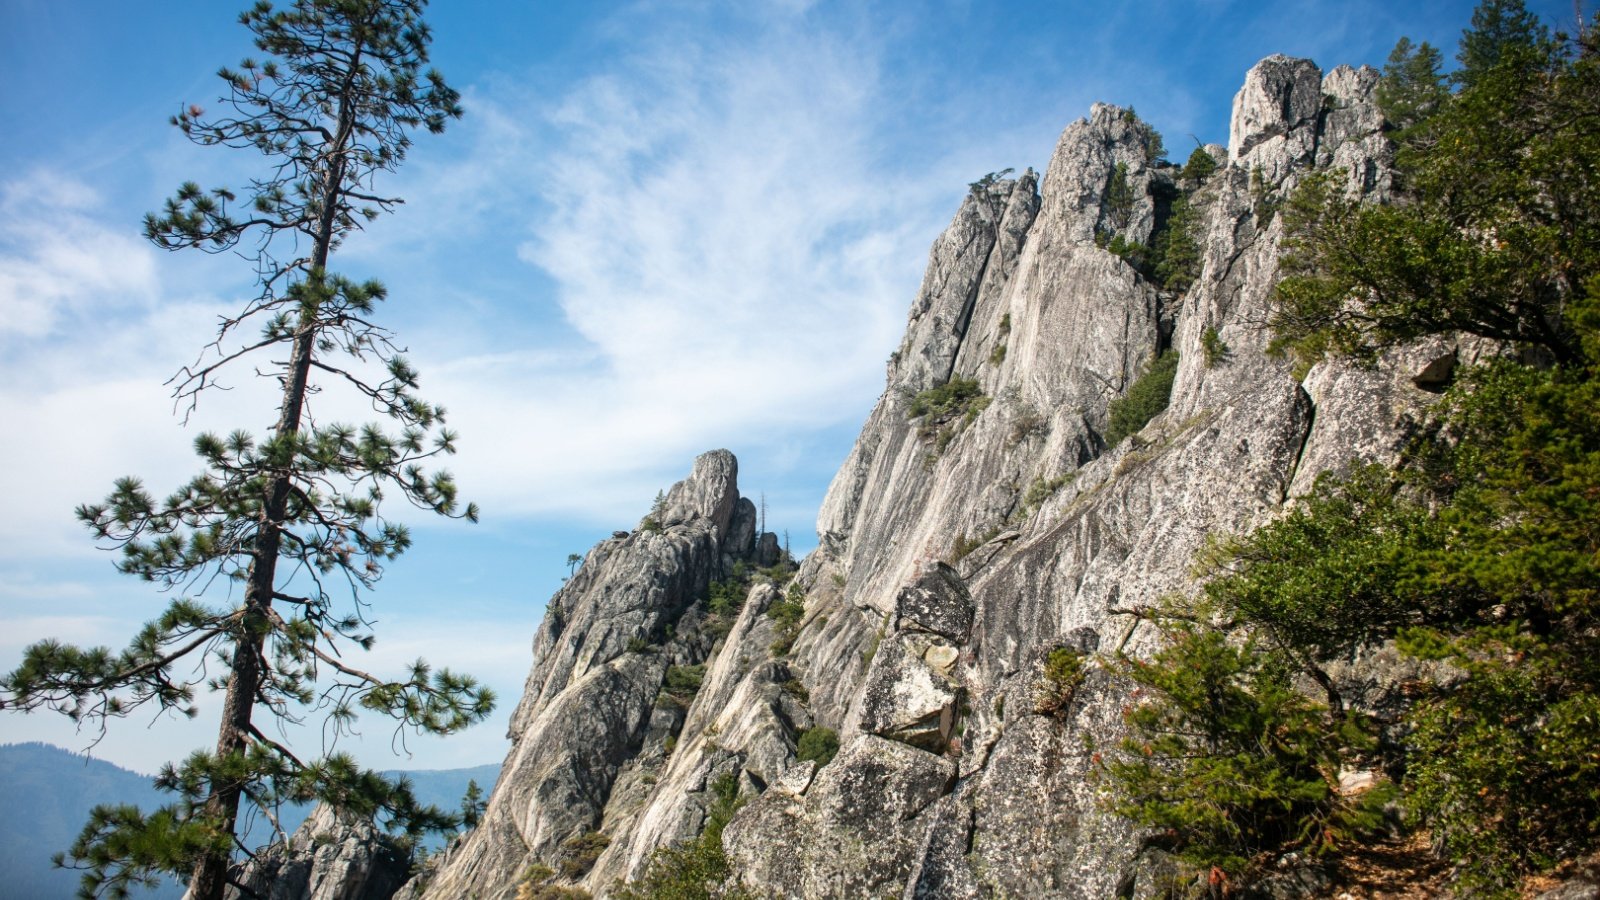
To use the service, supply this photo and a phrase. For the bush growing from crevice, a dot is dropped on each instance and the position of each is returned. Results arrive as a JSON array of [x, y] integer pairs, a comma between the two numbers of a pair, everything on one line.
[[535, 885], [1043, 489], [964, 545], [699, 869], [578, 854], [786, 613], [819, 744], [1212, 345], [1063, 674], [1144, 399], [945, 401], [682, 683], [1229, 760]]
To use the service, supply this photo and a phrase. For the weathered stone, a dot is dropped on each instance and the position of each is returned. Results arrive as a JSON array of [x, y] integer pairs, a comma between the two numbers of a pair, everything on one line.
[[942, 870], [331, 856], [937, 602], [951, 783], [853, 834], [1275, 116], [905, 699], [588, 735], [942, 659]]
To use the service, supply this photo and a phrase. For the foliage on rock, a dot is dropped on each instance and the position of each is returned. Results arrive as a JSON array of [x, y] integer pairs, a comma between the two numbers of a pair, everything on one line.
[[698, 870], [1229, 759], [1144, 400], [1478, 557], [817, 744]]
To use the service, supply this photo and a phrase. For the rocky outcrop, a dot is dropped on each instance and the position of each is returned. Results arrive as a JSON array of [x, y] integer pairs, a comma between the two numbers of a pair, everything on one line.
[[589, 734], [331, 856], [959, 548]]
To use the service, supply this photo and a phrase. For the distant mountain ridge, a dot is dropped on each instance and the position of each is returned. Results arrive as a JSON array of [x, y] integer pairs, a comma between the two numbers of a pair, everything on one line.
[[49, 792]]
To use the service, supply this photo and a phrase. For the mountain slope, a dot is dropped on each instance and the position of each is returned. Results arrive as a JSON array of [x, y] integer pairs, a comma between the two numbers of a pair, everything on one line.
[[50, 791], [982, 520]]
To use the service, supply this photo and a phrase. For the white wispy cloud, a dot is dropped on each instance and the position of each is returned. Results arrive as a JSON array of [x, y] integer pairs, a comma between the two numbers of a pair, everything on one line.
[[731, 245], [57, 260]]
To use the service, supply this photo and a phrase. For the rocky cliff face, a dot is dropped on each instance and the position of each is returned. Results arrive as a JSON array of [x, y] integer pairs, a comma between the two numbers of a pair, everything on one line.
[[331, 856], [957, 549]]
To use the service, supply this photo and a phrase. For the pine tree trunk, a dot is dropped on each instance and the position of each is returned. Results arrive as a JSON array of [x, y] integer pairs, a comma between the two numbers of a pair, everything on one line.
[[210, 878]]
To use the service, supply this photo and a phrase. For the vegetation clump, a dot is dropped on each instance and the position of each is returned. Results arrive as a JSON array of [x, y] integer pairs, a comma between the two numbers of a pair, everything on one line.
[[1043, 489], [579, 854], [698, 870], [1144, 400], [1063, 674], [1215, 350], [949, 400], [682, 683], [1476, 557], [818, 744], [658, 511], [786, 613], [964, 545], [1229, 759]]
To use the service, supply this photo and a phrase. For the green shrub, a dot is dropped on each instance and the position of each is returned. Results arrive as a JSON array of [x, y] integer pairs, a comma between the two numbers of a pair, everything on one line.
[[1043, 489], [819, 744], [964, 545], [534, 885], [699, 869], [578, 854], [1264, 200], [997, 355], [871, 649], [1144, 400], [1212, 345], [1229, 760], [1338, 571], [946, 400], [683, 682], [1063, 674], [727, 597], [1199, 167], [786, 613], [1133, 252]]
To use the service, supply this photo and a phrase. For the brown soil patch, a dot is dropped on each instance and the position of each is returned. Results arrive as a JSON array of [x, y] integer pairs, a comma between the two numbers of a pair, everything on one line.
[[1402, 868]]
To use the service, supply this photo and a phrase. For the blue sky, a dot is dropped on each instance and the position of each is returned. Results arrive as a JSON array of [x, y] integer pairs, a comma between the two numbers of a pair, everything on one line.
[[661, 228]]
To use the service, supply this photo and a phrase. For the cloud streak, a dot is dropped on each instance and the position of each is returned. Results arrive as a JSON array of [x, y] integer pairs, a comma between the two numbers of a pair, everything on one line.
[[729, 246]]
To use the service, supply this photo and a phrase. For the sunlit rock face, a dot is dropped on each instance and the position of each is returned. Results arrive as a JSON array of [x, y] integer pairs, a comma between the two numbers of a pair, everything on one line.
[[331, 856], [958, 549]]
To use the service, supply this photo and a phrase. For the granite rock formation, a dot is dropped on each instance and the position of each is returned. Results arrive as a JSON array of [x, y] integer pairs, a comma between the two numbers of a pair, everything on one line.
[[957, 549], [331, 856]]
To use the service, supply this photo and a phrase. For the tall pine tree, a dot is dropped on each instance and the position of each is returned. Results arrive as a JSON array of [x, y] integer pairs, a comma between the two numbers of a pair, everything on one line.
[[281, 526]]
